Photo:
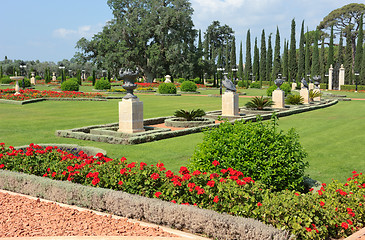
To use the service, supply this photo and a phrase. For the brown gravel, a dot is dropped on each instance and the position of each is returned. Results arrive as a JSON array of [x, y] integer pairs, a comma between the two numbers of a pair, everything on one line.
[[24, 217]]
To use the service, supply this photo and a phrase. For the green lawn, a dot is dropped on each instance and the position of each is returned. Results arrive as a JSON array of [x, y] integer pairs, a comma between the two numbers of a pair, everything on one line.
[[333, 137]]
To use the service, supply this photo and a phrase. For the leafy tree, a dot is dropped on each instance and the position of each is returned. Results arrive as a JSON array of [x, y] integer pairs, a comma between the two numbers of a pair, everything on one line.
[[330, 51], [240, 63], [263, 58], [347, 20], [348, 59], [256, 62], [292, 54], [301, 57], [248, 66], [277, 60], [269, 60], [285, 60], [218, 36], [315, 59], [359, 47], [155, 36]]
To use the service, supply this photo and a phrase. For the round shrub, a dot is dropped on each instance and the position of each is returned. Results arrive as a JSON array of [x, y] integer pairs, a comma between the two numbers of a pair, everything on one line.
[[255, 85], [6, 80], [90, 78], [26, 83], [38, 77], [102, 85], [188, 86], [260, 150], [286, 87], [242, 84], [70, 85], [167, 88]]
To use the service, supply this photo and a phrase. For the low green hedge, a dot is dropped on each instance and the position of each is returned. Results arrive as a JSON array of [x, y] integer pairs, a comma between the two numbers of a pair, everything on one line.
[[167, 88], [352, 87], [70, 85], [102, 84], [188, 86]]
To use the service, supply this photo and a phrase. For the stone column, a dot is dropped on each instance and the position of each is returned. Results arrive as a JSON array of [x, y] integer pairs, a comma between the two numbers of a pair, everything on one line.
[[32, 79], [293, 86], [230, 104], [278, 98], [330, 78], [341, 77], [304, 93], [131, 116]]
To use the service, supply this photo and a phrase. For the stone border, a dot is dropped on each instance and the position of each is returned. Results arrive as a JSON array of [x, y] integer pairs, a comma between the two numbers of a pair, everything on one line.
[[160, 94], [178, 123], [6, 101], [73, 147], [196, 92], [84, 133], [195, 220]]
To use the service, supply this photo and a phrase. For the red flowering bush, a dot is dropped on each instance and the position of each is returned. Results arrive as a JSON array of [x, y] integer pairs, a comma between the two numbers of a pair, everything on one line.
[[336, 210]]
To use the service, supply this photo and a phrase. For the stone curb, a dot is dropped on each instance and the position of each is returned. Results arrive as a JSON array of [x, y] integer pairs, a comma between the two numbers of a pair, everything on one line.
[[181, 235], [359, 235]]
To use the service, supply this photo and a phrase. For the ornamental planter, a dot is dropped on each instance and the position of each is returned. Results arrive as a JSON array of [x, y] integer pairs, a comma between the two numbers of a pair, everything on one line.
[[182, 123]]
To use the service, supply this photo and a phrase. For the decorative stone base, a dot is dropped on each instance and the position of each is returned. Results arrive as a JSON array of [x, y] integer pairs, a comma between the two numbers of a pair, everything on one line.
[[130, 116], [317, 99], [230, 104], [304, 93], [293, 86], [32, 80], [311, 86], [278, 99]]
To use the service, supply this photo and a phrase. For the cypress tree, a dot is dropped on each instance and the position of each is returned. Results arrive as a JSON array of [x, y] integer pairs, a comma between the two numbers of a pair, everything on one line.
[[322, 61], [200, 45], [240, 63], [277, 60], [206, 48], [78, 76], [307, 56], [292, 54], [94, 77], [285, 59], [362, 74], [301, 57], [348, 58], [227, 63], [233, 55], [359, 47], [330, 51], [340, 56], [269, 60], [256, 62], [263, 58], [248, 67], [315, 59], [1, 72]]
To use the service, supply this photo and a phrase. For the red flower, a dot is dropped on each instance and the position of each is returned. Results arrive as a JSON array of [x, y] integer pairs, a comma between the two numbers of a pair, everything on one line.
[[95, 181], [259, 204], [183, 170], [141, 165], [131, 165], [123, 170], [155, 176], [322, 203], [169, 174], [123, 159], [45, 175], [191, 185], [201, 191], [215, 163], [2, 165], [210, 183], [320, 192], [173, 201], [54, 174], [349, 221], [344, 225], [354, 172], [296, 194], [216, 199], [308, 229], [186, 177], [196, 173], [157, 194], [120, 183]]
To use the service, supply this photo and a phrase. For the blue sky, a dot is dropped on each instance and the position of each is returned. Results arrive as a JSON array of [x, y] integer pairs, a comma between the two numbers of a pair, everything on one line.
[[47, 30]]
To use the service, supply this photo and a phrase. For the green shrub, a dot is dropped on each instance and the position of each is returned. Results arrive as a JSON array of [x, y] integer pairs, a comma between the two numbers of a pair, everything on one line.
[[259, 103], [197, 80], [352, 87], [6, 80], [188, 86], [259, 150], [286, 87], [102, 84], [242, 84], [294, 99], [323, 86], [209, 80], [90, 78], [38, 77], [167, 88], [59, 78], [189, 116], [181, 80], [70, 85], [26, 83], [255, 85]]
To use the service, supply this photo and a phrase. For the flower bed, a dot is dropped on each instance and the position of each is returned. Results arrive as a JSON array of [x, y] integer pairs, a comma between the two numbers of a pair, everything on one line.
[[335, 210], [27, 94]]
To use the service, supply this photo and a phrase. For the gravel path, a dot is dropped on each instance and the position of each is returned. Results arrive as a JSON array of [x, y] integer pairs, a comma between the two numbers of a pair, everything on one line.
[[24, 217]]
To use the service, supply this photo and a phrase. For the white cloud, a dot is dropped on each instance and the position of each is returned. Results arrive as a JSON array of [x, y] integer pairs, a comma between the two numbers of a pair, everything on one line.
[[83, 31]]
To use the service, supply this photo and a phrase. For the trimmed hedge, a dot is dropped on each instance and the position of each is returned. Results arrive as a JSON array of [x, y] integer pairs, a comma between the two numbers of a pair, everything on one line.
[[70, 85], [286, 87], [102, 84], [167, 88], [352, 87], [188, 86]]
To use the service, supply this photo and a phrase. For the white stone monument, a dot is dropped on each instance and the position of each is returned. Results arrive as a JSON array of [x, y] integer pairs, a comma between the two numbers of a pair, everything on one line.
[[341, 77], [304, 93], [54, 78], [278, 95], [32, 79], [293, 86], [229, 99], [330, 78], [130, 108], [311, 86], [167, 79]]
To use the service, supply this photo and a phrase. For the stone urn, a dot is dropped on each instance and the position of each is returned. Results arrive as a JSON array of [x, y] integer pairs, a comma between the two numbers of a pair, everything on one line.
[[278, 82], [129, 78], [17, 78]]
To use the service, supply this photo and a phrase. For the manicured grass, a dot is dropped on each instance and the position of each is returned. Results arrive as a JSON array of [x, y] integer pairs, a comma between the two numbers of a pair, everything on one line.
[[333, 137]]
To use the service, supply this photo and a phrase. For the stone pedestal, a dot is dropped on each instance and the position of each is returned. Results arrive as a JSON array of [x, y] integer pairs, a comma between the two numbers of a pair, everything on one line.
[[317, 99], [311, 86], [330, 78], [278, 98], [167, 79], [304, 93], [131, 116], [341, 77], [230, 104], [293, 86], [32, 79], [17, 88], [54, 78]]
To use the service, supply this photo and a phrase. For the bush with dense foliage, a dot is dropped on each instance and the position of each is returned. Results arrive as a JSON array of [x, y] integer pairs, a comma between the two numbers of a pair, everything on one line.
[[286, 87], [335, 210], [189, 115], [352, 87], [6, 80], [242, 84], [167, 88], [294, 99], [102, 84], [255, 85], [259, 103], [259, 150], [188, 86], [70, 85], [38, 77]]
